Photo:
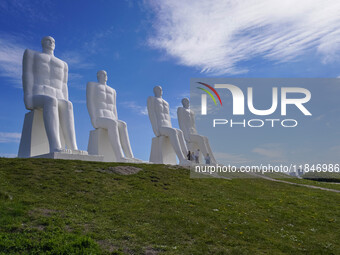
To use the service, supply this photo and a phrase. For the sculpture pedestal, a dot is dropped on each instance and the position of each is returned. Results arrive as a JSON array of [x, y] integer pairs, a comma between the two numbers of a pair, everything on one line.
[[34, 140], [70, 156], [99, 144], [162, 151]]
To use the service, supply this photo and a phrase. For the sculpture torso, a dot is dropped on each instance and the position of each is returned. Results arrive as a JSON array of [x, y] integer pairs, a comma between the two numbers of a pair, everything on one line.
[[49, 75], [162, 112], [189, 118], [104, 99]]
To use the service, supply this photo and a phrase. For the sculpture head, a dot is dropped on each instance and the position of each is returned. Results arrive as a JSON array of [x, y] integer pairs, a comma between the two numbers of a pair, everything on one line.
[[102, 77], [158, 91], [185, 103], [48, 44]]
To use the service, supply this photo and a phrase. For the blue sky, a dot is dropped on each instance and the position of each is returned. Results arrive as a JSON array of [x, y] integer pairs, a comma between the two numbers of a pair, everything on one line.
[[142, 44]]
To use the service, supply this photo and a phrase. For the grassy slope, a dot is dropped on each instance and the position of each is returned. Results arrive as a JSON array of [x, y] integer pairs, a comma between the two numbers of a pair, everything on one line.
[[328, 185], [285, 177], [68, 207]]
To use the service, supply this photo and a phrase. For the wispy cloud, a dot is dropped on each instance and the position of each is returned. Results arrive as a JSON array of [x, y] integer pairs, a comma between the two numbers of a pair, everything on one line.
[[76, 60], [173, 111], [335, 149], [183, 95], [77, 101], [95, 44], [215, 36], [229, 158], [28, 9], [272, 151], [11, 53], [8, 155], [141, 110], [9, 137], [75, 80]]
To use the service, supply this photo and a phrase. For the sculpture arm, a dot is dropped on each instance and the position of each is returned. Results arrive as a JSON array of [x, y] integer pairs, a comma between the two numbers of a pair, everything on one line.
[[152, 116], [90, 103], [115, 104], [65, 89], [28, 78]]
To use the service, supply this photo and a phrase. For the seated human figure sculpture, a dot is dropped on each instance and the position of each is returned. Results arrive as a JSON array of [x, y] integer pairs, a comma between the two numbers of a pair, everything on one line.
[[101, 105], [159, 115], [45, 87], [186, 121]]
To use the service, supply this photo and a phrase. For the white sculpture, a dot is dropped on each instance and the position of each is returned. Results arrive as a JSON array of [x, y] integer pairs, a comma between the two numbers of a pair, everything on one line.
[[195, 142], [45, 91], [111, 137], [168, 139]]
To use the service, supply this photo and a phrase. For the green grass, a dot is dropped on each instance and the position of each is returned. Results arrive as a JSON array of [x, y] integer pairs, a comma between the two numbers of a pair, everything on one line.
[[71, 207]]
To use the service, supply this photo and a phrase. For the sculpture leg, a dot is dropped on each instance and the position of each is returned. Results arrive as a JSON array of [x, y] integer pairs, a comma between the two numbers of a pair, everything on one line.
[[112, 129], [182, 141], [201, 143], [67, 123], [51, 119], [124, 139], [173, 136], [212, 158]]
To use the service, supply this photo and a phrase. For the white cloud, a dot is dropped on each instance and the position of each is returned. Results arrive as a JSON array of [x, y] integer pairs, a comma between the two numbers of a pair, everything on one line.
[[173, 111], [215, 36], [28, 10], [8, 155], [76, 101], [11, 53], [75, 80], [335, 149], [94, 45], [141, 110], [76, 60], [9, 137], [229, 158], [273, 151], [183, 95]]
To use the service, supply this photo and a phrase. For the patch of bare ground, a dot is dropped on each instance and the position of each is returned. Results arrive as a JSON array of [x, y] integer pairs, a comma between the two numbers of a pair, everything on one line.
[[123, 170], [107, 245], [42, 212], [150, 251]]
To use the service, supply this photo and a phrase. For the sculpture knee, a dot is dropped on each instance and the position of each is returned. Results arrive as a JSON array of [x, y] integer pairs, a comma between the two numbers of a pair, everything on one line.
[[69, 106], [179, 132], [66, 105], [50, 102], [112, 125], [172, 132], [123, 124]]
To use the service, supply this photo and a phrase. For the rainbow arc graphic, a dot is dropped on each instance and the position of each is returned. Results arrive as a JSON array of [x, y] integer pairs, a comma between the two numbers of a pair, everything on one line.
[[209, 93]]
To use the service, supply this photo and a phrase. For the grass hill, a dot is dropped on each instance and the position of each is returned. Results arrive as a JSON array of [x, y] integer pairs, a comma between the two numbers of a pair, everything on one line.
[[74, 207]]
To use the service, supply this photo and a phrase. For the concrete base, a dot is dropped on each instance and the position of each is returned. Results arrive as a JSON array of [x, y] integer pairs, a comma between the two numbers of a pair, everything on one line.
[[99, 144], [162, 151], [33, 136], [62, 155]]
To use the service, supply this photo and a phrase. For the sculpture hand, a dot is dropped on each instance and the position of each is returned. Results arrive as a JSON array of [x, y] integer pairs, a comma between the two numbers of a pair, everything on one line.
[[28, 102]]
